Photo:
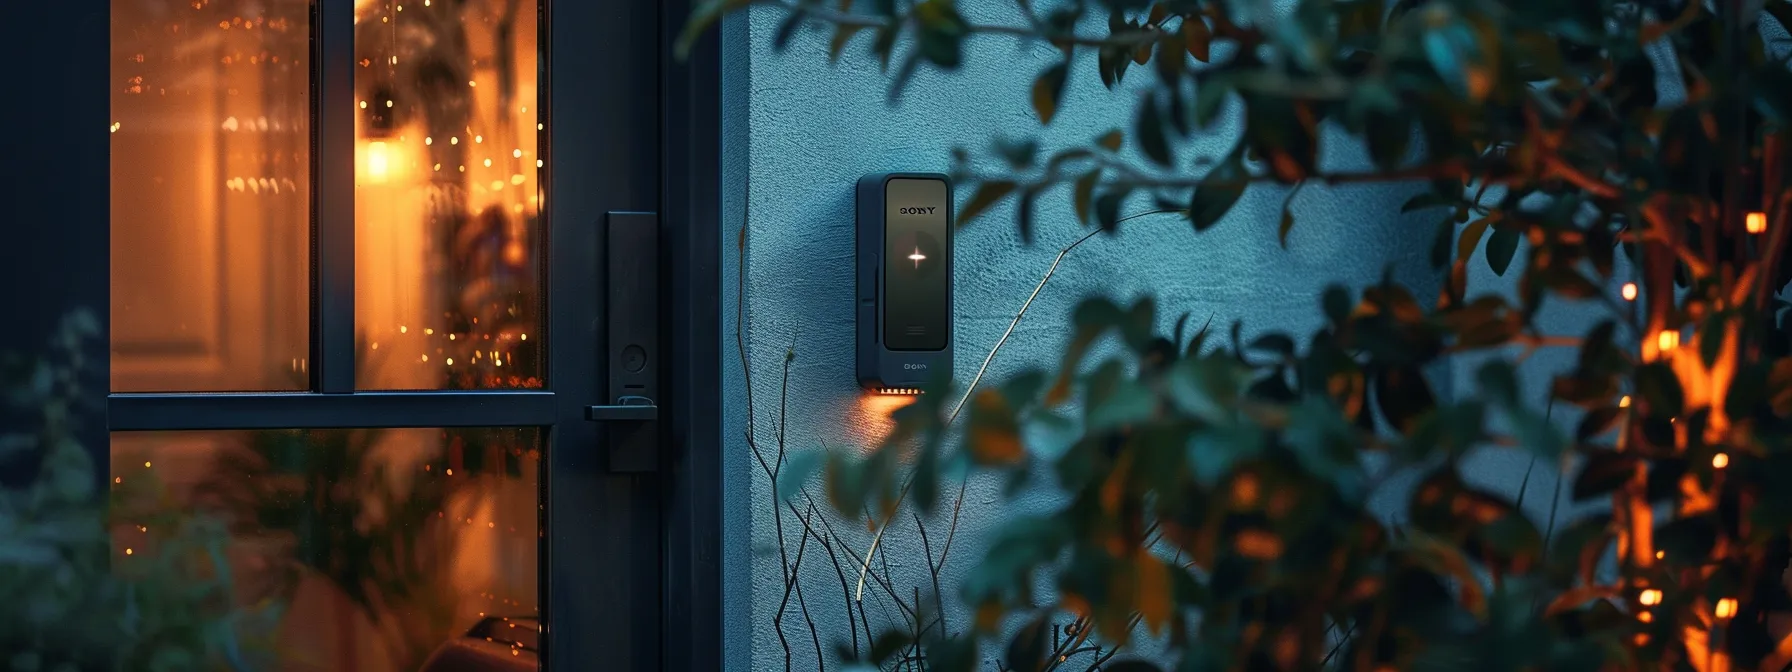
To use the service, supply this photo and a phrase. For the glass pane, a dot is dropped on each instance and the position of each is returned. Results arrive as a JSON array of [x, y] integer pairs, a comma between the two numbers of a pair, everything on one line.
[[349, 550], [447, 205], [210, 194]]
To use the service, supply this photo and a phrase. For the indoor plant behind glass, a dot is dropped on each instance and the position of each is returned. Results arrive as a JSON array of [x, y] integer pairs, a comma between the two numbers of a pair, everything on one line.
[[70, 599]]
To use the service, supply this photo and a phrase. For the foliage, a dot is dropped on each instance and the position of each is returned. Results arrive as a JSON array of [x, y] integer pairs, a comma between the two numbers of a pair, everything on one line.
[[1217, 487], [69, 600]]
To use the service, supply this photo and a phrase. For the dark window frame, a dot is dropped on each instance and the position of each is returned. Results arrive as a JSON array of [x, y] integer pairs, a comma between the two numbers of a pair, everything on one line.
[[63, 260]]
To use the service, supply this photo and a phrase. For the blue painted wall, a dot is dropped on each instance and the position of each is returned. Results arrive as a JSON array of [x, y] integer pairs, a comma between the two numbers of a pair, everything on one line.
[[799, 134]]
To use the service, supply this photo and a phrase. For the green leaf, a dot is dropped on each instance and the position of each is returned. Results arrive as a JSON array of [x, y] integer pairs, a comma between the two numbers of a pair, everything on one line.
[[843, 34], [1660, 389], [1459, 58], [887, 644], [1280, 345], [1500, 249], [1026, 652], [885, 45], [1023, 214], [942, 32], [800, 467], [787, 30], [1213, 454], [1124, 403], [846, 485], [1217, 192], [1429, 199], [952, 654], [1596, 422], [1471, 237], [1210, 97], [1687, 541], [1198, 38], [1711, 338], [1499, 382], [1107, 208], [987, 195], [1111, 140], [1208, 387], [993, 434], [1404, 397], [1048, 91], [1150, 131], [1337, 304], [1604, 471], [1440, 242], [926, 483], [1020, 154], [1779, 387], [1389, 138], [1085, 193]]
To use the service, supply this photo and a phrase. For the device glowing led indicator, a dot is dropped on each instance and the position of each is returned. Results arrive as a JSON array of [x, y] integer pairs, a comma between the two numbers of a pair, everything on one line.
[[917, 257]]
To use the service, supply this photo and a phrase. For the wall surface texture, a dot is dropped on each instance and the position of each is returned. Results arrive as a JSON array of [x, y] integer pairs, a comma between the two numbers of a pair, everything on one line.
[[800, 133]]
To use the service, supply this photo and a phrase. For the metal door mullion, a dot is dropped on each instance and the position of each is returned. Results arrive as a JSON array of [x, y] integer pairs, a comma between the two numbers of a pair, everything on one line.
[[333, 197]]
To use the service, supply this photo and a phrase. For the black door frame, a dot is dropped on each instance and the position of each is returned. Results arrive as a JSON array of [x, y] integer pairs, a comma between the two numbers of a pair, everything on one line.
[[612, 539]]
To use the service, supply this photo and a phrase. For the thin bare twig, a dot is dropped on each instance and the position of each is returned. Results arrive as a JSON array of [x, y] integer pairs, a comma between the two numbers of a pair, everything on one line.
[[877, 538]]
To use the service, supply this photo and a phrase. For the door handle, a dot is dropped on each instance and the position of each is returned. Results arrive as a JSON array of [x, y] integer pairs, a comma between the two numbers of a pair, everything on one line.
[[626, 409]]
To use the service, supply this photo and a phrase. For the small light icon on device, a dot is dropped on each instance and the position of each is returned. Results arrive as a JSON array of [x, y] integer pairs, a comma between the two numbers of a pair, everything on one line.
[[917, 257]]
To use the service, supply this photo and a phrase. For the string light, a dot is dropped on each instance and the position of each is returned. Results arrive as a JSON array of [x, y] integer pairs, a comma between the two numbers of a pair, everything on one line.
[[1667, 340], [1650, 597], [1629, 291], [1624, 401], [1720, 461], [1726, 608], [1756, 222]]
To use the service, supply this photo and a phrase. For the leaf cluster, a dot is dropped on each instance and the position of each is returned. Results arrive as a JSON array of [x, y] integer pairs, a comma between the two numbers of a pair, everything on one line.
[[70, 601], [1217, 487]]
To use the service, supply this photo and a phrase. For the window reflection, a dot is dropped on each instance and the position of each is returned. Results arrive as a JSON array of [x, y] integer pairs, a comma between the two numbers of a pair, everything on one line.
[[210, 202], [380, 548], [447, 197]]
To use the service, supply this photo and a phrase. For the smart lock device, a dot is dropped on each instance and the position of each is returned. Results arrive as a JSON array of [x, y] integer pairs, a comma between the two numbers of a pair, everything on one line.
[[904, 280]]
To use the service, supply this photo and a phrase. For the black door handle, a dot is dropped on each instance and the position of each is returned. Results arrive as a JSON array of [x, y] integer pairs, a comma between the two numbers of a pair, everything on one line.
[[623, 413]]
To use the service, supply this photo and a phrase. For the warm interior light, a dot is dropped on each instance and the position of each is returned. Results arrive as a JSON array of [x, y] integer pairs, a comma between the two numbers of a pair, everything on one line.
[[1650, 597], [1624, 402], [1756, 222], [1629, 291], [1726, 608], [1720, 461], [1667, 340], [379, 164]]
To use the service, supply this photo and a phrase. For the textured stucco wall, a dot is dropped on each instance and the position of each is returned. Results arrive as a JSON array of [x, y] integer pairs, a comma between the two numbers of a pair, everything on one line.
[[800, 133]]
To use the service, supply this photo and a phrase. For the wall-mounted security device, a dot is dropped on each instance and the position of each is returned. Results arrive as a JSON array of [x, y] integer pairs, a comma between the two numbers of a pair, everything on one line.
[[904, 281]]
